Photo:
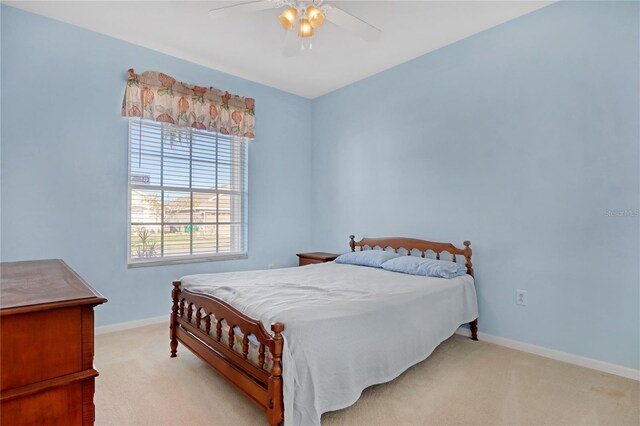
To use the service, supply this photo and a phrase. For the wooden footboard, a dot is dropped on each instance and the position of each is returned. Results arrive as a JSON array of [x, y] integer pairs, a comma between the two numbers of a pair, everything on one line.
[[198, 321]]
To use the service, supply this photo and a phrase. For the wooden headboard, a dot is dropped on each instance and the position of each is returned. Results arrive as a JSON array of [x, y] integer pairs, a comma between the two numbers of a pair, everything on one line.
[[411, 244]]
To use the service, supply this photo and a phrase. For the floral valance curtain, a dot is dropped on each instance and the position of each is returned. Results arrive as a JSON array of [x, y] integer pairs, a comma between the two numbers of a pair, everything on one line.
[[156, 96]]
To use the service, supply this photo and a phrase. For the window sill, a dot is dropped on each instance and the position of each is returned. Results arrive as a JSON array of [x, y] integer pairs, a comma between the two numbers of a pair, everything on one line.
[[182, 260]]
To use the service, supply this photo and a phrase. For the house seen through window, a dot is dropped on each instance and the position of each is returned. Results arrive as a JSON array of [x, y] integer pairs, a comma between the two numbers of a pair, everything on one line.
[[187, 194]]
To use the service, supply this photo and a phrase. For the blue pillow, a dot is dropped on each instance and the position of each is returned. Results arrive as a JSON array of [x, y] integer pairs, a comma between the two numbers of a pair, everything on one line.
[[372, 258], [426, 267]]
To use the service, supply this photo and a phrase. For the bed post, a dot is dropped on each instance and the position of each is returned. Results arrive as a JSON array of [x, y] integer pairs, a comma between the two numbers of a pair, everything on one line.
[[175, 296], [275, 409], [474, 329], [352, 242], [467, 255]]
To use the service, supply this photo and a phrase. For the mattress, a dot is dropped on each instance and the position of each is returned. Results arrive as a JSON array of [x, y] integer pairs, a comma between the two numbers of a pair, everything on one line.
[[346, 327]]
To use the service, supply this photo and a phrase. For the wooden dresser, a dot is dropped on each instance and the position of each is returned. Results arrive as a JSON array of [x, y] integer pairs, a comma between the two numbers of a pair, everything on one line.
[[46, 344]]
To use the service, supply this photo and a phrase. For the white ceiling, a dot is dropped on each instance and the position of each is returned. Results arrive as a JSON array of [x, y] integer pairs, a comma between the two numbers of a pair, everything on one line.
[[250, 45]]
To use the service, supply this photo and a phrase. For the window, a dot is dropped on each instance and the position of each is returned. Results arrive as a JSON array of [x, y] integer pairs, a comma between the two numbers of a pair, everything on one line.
[[187, 194]]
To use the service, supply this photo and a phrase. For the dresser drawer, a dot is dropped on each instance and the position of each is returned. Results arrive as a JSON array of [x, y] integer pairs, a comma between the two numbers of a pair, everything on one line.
[[56, 406], [37, 346]]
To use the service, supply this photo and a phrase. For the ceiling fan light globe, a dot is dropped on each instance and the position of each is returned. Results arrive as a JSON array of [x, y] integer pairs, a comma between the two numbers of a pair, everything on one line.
[[305, 29], [288, 18], [315, 16]]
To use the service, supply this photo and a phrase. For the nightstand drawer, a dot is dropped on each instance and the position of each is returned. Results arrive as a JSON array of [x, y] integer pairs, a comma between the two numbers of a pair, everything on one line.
[[316, 257], [307, 261]]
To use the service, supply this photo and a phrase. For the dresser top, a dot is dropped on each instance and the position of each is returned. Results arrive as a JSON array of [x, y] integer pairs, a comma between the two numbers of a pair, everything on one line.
[[43, 284]]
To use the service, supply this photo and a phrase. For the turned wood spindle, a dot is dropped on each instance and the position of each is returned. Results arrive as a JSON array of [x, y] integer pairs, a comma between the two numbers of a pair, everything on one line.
[[232, 336], [198, 318], [437, 255], [245, 345], [181, 309], [207, 324], [261, 355], [219, 330], [189, 312]]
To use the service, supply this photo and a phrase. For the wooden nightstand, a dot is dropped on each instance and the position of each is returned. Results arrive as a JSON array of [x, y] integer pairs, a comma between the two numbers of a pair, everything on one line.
[[316, 257]]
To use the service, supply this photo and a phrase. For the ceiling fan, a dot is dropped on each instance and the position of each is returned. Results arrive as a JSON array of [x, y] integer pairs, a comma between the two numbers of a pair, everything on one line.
[[309, 15]]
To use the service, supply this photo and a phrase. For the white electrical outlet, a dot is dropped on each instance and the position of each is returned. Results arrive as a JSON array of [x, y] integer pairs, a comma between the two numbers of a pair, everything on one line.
[[270, 266], [521, 298]]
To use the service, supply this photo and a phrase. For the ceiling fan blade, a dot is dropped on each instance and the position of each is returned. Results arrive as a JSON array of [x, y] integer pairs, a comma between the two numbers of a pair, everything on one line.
[[351, 23], [247, 7], [291, 43]]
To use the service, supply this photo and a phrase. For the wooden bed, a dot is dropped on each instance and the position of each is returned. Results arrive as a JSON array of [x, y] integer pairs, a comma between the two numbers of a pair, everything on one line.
[[196, 322]]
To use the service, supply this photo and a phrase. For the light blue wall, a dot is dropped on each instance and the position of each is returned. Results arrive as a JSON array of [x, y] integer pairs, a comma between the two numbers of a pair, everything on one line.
[[521, 139], [64, 162]]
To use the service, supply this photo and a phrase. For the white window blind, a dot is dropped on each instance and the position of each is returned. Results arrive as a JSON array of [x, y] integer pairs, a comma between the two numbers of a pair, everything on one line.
[[187, 194]]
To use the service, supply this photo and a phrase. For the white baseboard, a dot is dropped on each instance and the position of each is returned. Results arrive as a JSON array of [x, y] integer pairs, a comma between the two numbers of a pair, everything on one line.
[[104, 329], [594, 364]]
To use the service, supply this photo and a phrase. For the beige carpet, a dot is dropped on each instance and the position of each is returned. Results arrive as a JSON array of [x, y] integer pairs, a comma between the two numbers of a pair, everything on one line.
[[461, 383]]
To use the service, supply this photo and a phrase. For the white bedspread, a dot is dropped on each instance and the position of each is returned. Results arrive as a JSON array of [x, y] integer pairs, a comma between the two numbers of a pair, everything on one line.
[[346, 327]]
